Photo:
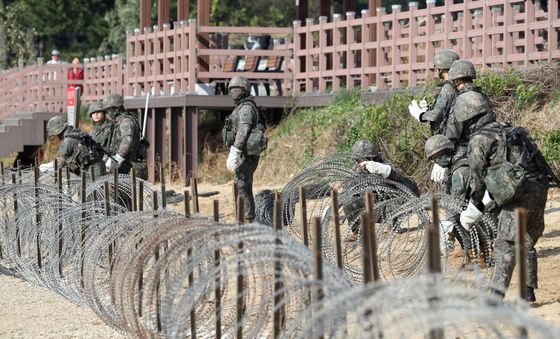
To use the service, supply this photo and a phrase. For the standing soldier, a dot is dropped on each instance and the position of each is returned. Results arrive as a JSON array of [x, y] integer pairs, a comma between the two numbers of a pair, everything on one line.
[[438, 114], [125, 146], [78, 151], [102, 127], [504, 161], [244, 134]]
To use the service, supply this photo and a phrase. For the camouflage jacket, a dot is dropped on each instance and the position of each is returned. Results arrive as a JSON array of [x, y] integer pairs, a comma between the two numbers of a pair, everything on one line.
[[101, 133], [244, 118], [125, 138], [482, 153], [76, 153], [398, 176], [438, 113]]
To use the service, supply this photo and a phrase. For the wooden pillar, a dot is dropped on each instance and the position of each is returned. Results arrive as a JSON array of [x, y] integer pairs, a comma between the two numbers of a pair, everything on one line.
[[203, 19], [177, 142], [191, 142], [325, 8], [163, 12], [183, 9], [372, 6], [302, 8], [145, 13], [349, 5]]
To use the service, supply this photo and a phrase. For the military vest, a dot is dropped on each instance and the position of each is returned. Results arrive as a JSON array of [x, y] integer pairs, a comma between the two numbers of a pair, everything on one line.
[[85, 151], [257, 141]]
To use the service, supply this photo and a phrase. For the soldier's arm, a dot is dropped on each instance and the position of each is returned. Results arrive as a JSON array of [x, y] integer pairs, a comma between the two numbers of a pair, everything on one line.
[[244, 129], [127, 128], [478, 153], [454, 128], [65, 151], [442, 104]]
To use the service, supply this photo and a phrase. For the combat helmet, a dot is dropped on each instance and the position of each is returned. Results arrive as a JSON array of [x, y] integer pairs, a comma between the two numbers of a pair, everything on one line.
[[56, 126], [436, 144], [113, 100], [443, 59], [462, 69], [94, 107], [240, 82], [469, 105], [363, 149]]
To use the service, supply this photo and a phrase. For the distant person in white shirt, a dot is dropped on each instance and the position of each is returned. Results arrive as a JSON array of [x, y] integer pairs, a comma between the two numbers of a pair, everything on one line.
[[55, 58]]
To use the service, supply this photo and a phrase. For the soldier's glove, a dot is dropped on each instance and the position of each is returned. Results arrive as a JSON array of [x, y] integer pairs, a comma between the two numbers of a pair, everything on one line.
[[423, 105], [487, 200], [48, 167], [234, 159], [438, 173], [415, 110], [113, 162], [469, 216], [378, 168]]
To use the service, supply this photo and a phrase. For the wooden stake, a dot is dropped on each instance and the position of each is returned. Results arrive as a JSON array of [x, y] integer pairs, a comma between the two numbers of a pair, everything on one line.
[[15, 212], [134, 189], [521, 251], [141, 196], [162, 183], [235, 192], [240, 277], [194, 188], [434, 253], [303, 205], [372, 237], [318, 264], [217, 281], [278, 283], [366, 251], [38, 216], [116, 188], [336, 220], [216, 210]]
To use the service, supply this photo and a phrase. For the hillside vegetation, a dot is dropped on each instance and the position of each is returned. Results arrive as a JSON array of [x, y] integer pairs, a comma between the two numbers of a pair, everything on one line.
[[529, 98]]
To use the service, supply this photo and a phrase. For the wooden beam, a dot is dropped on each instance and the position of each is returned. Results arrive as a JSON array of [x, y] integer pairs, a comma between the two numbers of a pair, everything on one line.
[[183, 9], [325, 8], [163, 12], [302, 7], [372, 7], [145, 13]]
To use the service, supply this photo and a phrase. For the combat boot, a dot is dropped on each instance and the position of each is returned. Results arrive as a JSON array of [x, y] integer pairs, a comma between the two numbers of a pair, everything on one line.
[[531, 294]]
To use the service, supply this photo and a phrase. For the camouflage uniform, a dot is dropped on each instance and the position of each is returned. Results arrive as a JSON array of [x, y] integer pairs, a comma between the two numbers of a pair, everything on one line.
[[77, 150], [125, 137], [364, 150], [437, 115], [244, 119], [101, 131], [532, 196]]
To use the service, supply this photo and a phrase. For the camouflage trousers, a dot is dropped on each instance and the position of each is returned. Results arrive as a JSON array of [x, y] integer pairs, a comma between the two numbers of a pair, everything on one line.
[[458, 186], [244, 179], [533, 197]]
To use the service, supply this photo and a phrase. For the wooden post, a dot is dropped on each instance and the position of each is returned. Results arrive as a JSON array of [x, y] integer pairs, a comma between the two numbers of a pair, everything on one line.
[[303, 205], [145, 13], [187, 204], [68, 178], [183, 9], [336, 220], [217, 281], [2, 168], [162, 183], [37, 216], [83, 184], [55, 174], [93, 180], [278, 283], [434, 260], [366, 251], [318, 264], [240, 278], [115, 188], [141, 196], [372, 237], [158, 301], [193, 312], [163, 12], [15, 197], [235, 193], [194, 193], [521, 251], [134, 189]]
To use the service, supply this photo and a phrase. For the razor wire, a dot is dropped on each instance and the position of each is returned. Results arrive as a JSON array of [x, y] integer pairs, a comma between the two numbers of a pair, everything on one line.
[[401, 221], [156, 273]]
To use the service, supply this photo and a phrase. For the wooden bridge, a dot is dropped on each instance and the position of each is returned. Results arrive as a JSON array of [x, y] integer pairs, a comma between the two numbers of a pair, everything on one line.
[[186, 64]]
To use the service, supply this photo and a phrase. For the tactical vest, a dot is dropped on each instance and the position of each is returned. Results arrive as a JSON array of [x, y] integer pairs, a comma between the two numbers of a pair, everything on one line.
[[514, 161], [137, 151], [257, 141], [85, 153]]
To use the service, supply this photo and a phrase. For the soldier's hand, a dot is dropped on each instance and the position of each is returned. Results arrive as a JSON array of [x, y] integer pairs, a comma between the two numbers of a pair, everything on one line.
[[48, 167], [375, 167], [415, 110], [470, 216], [438, 173], [423, 105], [234, 159]]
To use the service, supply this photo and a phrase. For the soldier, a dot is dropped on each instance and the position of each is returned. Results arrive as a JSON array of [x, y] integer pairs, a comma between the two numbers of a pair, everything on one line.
[[438, 114], [78, 151], [102, 127], [506, 162], [244, 134], [125, 148], [369, 161]]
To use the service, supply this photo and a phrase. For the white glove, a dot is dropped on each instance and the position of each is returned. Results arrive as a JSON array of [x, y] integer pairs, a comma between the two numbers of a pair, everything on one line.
[[438, 173], [469, 216], [415, 110], [48, 167], [375, 167], [113, 162], [446, 244], [423, 105], [234, 159], [487, 200]]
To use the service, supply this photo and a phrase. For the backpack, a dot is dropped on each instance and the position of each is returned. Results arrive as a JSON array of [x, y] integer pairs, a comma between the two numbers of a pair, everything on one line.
[[514, 152], [257, 142], [86, 153]]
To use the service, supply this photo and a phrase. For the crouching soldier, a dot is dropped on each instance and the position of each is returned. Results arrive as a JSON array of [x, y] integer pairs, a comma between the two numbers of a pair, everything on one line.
[[78, 151], [504, 161], [368, 161]]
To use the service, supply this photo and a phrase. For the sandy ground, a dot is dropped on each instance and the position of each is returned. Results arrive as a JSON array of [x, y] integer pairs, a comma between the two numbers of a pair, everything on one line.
[[30, 311]]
